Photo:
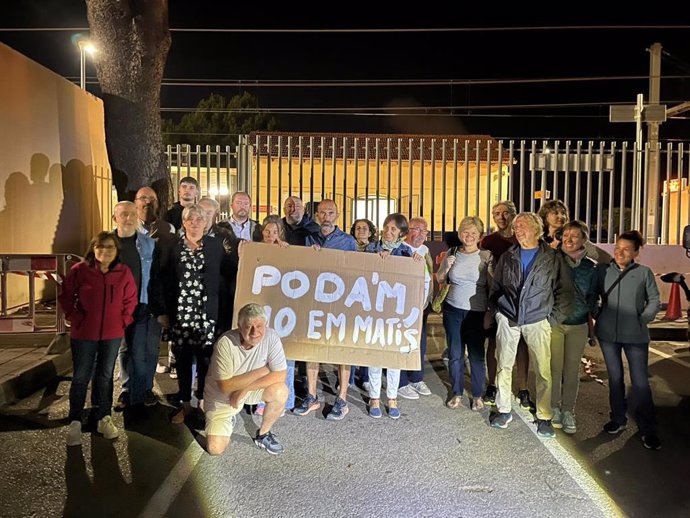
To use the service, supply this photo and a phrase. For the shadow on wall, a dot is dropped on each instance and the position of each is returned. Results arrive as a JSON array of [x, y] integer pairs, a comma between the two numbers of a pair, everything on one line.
[[54, 209]]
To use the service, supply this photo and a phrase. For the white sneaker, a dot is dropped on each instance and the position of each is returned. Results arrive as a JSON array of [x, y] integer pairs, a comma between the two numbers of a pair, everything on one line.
[[74, 433], [107, 428], [408, 392], [161, 369], [421, 388], [366, 386]]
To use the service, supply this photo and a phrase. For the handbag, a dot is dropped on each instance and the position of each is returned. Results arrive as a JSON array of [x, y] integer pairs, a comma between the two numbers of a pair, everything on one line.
[[437, 304]]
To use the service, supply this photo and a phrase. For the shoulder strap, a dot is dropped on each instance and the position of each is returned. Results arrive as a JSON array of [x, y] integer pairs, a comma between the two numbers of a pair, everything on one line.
[[605, 296]]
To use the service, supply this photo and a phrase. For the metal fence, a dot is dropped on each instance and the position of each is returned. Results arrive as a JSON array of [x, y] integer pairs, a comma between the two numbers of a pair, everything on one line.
[[444, 178]]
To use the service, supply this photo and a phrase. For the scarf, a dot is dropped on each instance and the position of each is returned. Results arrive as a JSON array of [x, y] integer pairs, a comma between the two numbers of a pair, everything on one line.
[[390, 246]]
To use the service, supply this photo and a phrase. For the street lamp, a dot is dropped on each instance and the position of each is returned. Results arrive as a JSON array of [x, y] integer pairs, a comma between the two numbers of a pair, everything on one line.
[[84, 47]]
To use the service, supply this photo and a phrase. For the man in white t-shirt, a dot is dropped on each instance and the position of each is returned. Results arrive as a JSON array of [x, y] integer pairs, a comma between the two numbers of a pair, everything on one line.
[[248, 366]]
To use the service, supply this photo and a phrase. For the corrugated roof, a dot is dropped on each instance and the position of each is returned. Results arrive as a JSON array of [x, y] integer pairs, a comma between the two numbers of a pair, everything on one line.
[[367, 145]]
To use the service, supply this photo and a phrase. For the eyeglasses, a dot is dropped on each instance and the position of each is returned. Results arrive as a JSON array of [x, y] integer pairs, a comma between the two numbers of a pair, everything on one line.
[[105, 247], [504, 213], [146, 198], [420, 230]]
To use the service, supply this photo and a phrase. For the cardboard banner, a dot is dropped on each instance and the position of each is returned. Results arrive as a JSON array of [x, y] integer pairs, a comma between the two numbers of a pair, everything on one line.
[[337, 307]]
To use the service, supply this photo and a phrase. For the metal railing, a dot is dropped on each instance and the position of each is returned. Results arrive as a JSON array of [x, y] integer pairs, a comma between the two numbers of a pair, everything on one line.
[[444, 178]]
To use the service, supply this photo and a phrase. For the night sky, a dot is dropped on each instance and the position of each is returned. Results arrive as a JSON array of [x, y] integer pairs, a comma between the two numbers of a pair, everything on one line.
[[415, 56]]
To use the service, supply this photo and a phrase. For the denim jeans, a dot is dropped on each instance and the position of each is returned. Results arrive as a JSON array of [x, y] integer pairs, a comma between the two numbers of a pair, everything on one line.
[[290, 382], [407, 377], [87, 355], [392, 382], [142, 339], [464, 328], [638, 356]]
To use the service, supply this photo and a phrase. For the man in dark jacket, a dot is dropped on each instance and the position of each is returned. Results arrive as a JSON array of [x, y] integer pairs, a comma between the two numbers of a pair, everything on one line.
[[240, 225], [532, 289], [298, 225], [188, 193]]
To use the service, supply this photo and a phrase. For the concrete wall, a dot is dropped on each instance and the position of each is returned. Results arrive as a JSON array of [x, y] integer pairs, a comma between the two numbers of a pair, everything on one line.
[[55, 180]]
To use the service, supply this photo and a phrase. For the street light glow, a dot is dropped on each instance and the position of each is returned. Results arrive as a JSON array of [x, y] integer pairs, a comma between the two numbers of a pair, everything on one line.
[[90, 48]]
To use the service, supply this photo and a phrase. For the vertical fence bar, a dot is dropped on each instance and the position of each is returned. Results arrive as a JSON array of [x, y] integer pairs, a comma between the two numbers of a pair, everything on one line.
[[511, 159], [323, 170], [217, 153], [522, 175], [455, 184], [578, 178], [258, 175], [533, 177], [588, 201], [478, 168], [311, 168], [467, 179], [334, 143], [544, 181], [389, 193], [289, 158], [566, 175], [609, 227], [444, 186], [280, 169], [411, 164], [345, 156], [624, 164], [400, 178], [421, 183], [300, 154], [556, 170], [488, 182], [377, 152], [356, 214], [499, 176], [432, 210], [666, 198], [207, 158], [643, 191], [366, 180], [269, 159], [600, 192]]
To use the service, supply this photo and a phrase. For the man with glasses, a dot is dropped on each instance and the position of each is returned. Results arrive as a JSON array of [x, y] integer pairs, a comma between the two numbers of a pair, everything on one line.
[[146, 202], [412, 383]]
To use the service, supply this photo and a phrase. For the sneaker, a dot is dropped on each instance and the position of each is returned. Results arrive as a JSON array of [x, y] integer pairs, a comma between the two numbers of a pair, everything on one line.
[[490, 395], [408, 392], [569, 424], [107, 428], [74, 434], [393, 410], [544, 428], [375, 411], [366, 386], [500, 419], [525, 401], [421, 387], [651, 442], [268, 442], [556, 420], [477, 404], [339, 410], [309, 404], [162, 369], [181, 413], [260, 408], [122, 401], [173, 373], [150, 398], [613, 427]]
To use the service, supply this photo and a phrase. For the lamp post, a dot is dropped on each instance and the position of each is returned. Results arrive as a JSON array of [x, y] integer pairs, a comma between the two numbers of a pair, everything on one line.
[[84, 47]]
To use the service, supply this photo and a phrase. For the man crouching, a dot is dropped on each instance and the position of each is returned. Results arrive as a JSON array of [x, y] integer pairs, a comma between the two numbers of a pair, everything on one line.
[[248, 366]]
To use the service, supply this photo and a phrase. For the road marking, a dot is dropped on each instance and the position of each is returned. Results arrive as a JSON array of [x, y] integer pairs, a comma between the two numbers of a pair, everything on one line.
[[582, 478], [670, 357], [173, 483]]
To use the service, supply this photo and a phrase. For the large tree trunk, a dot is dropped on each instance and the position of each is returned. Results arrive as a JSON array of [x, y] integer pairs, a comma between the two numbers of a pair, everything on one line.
[[133, 39]]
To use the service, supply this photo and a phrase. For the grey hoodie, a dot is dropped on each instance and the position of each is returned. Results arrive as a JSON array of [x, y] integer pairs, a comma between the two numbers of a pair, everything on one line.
[[630, 306]]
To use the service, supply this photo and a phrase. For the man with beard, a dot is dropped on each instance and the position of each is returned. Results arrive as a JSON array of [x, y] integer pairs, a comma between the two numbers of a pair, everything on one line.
[[188, 193], [146, 202], [329, 236], [297, 224], [239, 223]]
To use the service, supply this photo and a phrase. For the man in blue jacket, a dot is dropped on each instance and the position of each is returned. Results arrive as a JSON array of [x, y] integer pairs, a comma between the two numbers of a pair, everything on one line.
[[532, 289]]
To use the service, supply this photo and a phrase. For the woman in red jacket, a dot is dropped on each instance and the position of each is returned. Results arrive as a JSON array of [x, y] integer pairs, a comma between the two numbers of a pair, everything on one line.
[[98, 297]]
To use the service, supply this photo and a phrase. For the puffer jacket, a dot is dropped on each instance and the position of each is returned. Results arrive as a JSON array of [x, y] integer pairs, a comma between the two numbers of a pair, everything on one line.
[[546, 293], [585, 280], [98, 305]]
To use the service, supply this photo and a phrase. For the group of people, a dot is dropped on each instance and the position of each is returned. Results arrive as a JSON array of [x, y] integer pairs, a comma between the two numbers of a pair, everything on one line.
[[532, 287]]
